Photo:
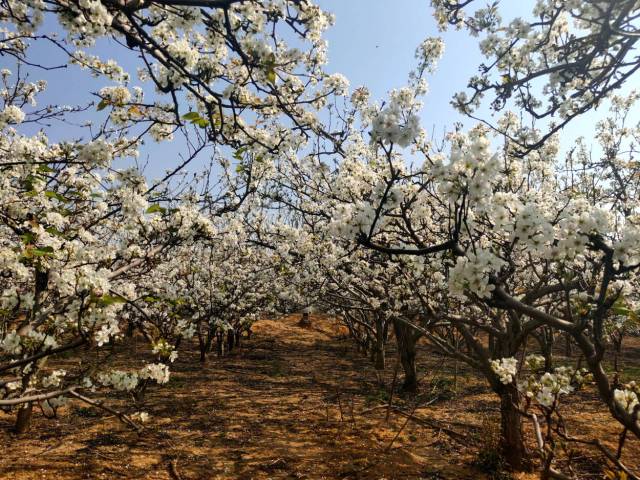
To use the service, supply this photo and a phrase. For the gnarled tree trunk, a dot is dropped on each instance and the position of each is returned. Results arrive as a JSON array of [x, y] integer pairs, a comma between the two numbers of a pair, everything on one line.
[[406, 338]]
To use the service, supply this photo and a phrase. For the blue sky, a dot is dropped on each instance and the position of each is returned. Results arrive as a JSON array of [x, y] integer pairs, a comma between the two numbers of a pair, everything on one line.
[[372, 43]]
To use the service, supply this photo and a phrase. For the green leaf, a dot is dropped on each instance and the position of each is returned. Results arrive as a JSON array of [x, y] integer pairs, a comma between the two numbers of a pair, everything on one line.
[[56, 195], [54, 231], [107, 299], [155, 208], [27, 238], [238, 153], [104, 103], [191, 116], [41, 252], [239, 168], [271, 76], [196, 119], [45, 169], [270, 65]]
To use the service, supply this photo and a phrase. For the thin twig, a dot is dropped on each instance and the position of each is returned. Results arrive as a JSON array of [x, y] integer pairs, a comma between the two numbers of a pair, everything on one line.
[[121, 416], [401, 428]]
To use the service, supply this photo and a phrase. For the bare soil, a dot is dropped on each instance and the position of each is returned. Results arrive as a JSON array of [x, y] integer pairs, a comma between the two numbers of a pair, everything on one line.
[[291, 403]]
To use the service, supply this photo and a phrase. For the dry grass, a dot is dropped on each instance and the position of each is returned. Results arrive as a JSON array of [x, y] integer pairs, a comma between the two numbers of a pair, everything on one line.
[[287, 405]]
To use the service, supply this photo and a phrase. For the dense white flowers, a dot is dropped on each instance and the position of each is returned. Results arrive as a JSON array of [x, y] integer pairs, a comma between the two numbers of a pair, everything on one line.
[[98, 153], [428, 53], [627, 399], [471, 274], [116, 96], [337, 83], [11, 343], [389, 126], [534, 362], [11, 115], [506, 369], [119, 380], [155, 371], [54, 379]]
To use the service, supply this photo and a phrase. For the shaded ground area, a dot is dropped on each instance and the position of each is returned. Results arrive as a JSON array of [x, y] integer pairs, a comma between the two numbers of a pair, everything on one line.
[[291, 403]]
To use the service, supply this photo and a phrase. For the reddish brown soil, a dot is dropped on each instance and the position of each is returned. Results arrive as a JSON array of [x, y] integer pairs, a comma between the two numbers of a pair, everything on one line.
[[291, 403]]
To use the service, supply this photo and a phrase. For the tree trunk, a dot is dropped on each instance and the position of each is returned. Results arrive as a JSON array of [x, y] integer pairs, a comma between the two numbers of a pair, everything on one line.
[[511, 443], [379, 361], [23, 419], [230, 340], [219, 344], [378, 350], [545, 340], [406, 341], [202, 344], [305, 321]]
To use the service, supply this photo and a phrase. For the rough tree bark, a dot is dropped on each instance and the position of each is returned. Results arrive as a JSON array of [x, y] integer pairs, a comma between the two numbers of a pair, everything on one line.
[[23, 418], [231, 340], [406, 338], [511, 443]]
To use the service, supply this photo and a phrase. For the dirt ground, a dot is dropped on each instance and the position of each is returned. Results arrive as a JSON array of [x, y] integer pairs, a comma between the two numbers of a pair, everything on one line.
[[292, 403]]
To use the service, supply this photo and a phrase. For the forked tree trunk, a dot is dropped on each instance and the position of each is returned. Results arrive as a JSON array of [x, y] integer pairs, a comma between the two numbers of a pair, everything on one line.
[[406, 341], [23, 418], [511, 443]]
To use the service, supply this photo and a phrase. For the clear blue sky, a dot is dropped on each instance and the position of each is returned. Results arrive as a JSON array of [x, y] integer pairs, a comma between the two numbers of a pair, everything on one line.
[[372, 43]]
